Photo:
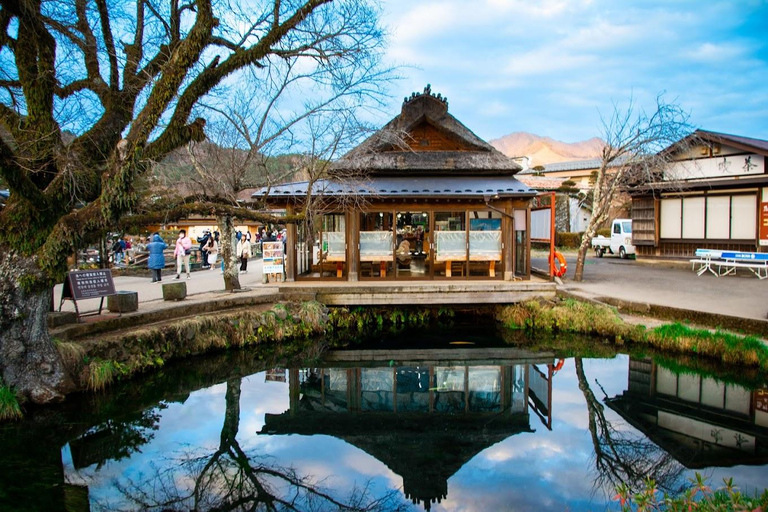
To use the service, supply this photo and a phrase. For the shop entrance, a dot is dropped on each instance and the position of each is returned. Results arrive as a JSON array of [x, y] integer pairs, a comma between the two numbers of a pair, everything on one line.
[[413, 258]]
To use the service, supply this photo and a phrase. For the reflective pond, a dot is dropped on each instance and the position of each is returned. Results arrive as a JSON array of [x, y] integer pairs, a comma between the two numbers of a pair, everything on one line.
[[451, 423]]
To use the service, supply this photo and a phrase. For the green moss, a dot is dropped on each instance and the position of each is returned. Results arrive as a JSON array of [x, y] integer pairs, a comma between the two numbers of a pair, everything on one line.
[[10, 409]]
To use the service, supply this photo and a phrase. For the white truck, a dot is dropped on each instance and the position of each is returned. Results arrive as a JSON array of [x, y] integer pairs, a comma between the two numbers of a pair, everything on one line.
[[620, 242]]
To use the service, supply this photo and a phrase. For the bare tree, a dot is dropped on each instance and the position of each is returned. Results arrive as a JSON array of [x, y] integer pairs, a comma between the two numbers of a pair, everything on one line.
[[633, 154], [622, 456], [231, 478], [124, 78], [253, 128]]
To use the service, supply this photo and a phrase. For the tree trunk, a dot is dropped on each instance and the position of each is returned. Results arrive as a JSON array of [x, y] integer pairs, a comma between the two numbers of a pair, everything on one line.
[[586, 241], [227, 247], [28, 360]]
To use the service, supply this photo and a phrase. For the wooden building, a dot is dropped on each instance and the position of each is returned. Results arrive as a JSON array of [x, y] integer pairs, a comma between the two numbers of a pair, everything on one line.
[[714, 196], [700, 421], [423, 198], [424, 418]]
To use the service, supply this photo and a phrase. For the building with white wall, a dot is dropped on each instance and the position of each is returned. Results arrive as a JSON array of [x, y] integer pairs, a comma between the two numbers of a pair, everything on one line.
[[714, 196]]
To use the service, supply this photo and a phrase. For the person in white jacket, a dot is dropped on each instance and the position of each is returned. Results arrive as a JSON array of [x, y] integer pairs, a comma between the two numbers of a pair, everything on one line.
[[243, 252], [182, 252]]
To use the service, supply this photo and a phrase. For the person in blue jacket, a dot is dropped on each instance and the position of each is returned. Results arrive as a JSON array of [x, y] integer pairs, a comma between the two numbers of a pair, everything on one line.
[[156, 261]]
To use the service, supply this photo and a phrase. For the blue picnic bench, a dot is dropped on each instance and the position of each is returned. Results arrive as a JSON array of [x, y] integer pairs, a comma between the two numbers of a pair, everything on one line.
[[728, 261]]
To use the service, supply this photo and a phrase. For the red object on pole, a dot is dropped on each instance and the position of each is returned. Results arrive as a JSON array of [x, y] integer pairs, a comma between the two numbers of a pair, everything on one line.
[[552, 236]]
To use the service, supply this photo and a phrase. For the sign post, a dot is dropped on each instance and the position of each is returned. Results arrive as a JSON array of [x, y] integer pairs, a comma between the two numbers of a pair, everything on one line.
[[87, 284], [273, 260], [764, 223]]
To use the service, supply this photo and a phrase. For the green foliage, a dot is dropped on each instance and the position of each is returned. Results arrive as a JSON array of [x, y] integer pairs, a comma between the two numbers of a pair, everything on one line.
[[699, 496], [568, 240], [102, 373], [587, 318], [729, 348], [606, 232], [10, 409]]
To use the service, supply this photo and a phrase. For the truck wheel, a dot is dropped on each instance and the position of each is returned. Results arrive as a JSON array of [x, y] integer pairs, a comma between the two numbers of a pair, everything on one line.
[[622, 253]]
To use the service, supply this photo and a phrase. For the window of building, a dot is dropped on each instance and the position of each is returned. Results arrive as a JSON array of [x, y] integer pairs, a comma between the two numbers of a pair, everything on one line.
[[726, 217]]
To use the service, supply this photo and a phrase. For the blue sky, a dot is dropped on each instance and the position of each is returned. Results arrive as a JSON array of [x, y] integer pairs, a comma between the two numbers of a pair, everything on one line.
[[551, 67]]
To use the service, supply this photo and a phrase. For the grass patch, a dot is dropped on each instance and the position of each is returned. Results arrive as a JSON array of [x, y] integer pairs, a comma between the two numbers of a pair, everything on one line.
[[72, 353], [102, 373], [10, 409], [574, 316]]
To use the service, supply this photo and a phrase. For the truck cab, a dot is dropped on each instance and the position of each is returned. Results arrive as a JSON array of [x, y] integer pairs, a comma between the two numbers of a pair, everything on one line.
[[620, 242]]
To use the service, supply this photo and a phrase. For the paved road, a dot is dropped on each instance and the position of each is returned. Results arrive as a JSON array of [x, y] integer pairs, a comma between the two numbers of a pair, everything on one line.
[[203, 281], [740, 295]]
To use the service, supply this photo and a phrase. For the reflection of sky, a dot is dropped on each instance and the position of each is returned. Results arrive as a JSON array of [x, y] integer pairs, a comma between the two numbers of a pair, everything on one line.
[[529, 471]]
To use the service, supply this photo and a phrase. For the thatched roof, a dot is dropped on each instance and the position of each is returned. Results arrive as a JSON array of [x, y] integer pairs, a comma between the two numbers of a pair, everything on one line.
[[425, 140]]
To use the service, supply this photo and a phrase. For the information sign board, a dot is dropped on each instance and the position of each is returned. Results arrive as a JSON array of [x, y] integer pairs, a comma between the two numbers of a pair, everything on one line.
[[88, 284], [764, 223], [273, 257]]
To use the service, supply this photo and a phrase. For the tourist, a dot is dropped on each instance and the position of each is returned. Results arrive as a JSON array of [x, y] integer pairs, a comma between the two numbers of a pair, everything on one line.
[[117, 252], [182, 253], [156, 260], [203, 241], [212, 249], [244, 252], [129, 254]]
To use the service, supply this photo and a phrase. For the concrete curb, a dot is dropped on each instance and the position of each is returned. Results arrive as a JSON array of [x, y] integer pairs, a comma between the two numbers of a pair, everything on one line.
[[754, 326], [176, 311]]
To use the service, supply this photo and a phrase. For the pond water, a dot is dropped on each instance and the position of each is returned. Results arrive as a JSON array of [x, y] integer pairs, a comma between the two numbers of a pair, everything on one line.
[[450, 423]]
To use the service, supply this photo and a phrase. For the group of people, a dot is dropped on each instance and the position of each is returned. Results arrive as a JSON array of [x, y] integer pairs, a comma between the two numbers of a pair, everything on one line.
[[122, 250], [209, 250]]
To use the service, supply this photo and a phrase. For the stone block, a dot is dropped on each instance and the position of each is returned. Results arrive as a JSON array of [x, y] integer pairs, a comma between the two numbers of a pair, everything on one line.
[[175, 291], [59, 318], [123, 302]]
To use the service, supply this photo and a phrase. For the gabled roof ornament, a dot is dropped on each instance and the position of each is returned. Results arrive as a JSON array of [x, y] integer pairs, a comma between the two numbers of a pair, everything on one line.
[[427, 92]]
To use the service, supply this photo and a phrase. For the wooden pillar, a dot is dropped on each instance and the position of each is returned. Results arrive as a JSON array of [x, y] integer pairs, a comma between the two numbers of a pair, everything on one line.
[[290, 249], [507, 238], [353, 245]]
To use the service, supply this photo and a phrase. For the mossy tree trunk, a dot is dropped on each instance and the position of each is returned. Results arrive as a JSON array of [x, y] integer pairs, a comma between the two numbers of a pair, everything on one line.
[[146, 75], [29, 362], [228, 246]]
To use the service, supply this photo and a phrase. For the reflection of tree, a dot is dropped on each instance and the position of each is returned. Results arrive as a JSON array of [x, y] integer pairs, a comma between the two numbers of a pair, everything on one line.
[[624, 456], [116, 439], [231, 479]]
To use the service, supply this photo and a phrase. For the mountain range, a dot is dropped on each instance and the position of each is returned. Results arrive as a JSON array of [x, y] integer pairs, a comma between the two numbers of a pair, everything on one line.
[[545, 150]]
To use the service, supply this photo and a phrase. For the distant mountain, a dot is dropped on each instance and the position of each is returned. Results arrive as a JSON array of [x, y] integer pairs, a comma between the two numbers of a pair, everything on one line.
[[545, 150]]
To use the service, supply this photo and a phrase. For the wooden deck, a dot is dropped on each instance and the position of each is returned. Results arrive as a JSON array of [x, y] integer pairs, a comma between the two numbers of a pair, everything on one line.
[[417, 292]]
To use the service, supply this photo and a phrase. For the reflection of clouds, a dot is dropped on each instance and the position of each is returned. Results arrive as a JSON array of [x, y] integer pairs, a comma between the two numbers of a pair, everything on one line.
[[545, 470]]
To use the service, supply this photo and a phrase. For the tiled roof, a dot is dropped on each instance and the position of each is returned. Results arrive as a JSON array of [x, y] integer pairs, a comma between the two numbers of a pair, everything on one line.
[[727, 137], [446, 186]]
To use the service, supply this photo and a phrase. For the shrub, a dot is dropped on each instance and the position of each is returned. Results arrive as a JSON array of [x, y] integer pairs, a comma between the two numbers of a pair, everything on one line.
[[570, 240], [606, 232], [699, 496], [9, 404]]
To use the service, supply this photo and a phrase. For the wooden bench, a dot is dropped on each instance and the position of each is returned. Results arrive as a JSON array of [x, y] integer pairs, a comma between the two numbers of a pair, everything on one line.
[[728, 261]]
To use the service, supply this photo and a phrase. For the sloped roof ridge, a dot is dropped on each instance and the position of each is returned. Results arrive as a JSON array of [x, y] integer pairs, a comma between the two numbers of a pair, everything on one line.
[[417, 108], [740, 139]]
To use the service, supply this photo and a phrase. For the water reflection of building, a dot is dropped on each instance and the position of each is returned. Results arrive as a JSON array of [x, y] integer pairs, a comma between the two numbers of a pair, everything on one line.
[[701, 421], [423, 416]]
